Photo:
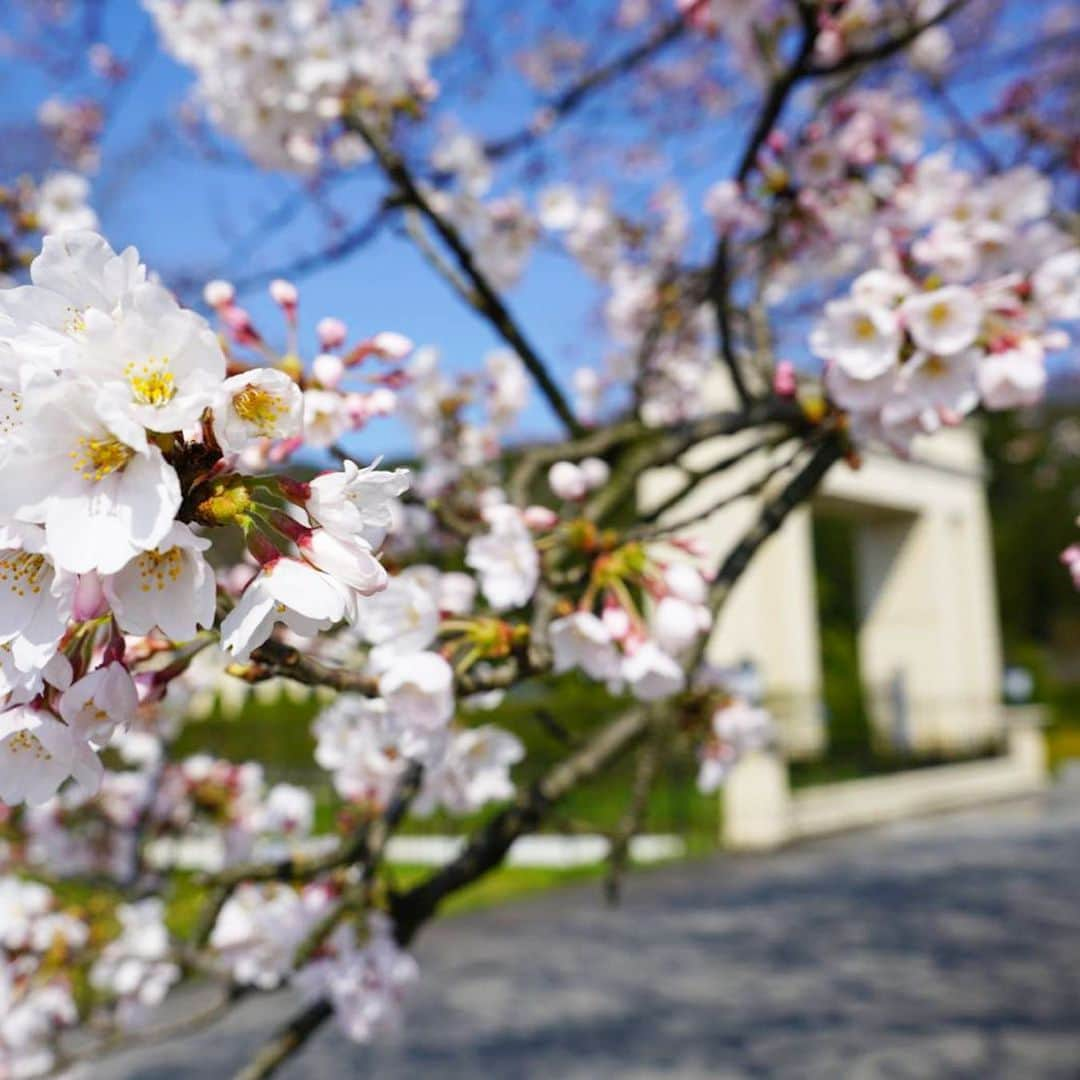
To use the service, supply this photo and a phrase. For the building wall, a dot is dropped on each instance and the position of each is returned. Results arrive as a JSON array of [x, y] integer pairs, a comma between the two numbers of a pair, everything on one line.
[[929, 642]]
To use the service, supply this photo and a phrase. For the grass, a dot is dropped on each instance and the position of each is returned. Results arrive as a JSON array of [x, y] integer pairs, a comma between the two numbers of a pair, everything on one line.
[[1062, 745], [504, 885]]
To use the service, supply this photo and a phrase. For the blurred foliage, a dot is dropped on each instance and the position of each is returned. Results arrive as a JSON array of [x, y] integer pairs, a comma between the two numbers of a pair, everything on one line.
[[1034, 491], [550, 717], [849, 734]]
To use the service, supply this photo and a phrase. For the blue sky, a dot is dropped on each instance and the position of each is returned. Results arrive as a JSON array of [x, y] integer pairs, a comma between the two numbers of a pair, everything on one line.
[[187, 214]]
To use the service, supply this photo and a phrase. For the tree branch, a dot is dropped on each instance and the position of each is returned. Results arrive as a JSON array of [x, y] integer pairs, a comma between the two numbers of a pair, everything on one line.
[[287, 1041], [487, 301], [488, 847], [773, 515], [720, 283], [888, 47], [565, 103]]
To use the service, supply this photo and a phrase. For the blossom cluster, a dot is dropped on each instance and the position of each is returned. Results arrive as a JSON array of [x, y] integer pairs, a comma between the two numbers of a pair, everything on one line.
[[365, 978], [753, 28], [501, 231], [120, 429], [638, 264], [736, 728], [279, 78], [961, 310], [58, 202], [173, 808], [442, 413], [75, 128], [37, 1000], [42, 947]]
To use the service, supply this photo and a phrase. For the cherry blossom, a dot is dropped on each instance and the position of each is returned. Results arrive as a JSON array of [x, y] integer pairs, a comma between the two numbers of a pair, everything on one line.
[[135, 968], [171, 587], [263, 403], [366, 984], [505, 559], [419, 694], [582, 640]]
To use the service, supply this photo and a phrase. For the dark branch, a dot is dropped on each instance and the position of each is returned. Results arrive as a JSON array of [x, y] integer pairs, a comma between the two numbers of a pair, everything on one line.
[[486, 300]]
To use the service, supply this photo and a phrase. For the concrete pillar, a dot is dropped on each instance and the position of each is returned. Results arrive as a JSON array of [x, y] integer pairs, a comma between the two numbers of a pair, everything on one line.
[[757, 804], [1027, 744]]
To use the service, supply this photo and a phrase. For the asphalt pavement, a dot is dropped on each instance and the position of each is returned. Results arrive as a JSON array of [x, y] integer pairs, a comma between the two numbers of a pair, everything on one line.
[[948, 947]]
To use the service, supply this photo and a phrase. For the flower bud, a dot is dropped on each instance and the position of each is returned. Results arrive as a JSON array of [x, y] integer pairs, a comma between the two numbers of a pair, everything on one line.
[[218, 293], [566, 480], [391, 346], [229, 501], [89, 600], [540, 518], [284, 293], [784, 382], [328, 369], [596, 472], [331, 333]]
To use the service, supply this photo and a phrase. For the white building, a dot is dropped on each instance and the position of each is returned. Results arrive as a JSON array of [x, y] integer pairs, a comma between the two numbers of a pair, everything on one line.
[[928, 639]]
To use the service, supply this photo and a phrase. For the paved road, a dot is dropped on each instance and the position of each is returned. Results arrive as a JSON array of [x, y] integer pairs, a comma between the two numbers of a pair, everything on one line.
[[948, 948]]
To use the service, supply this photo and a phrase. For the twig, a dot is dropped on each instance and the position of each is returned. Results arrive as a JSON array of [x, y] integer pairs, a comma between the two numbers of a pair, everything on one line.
[[647, 766], [719, 286], [668, 446], [287, 1041], [773, 515], [755, 487], [275, 658], [695, 476], [563, 104], [486, 300]]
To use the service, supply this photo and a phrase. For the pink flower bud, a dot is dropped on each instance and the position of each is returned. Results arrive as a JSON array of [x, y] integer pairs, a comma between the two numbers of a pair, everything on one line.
[[391, 346], [566, 480], [89, 600], [284, 293], [784, 381], [328, 369], [540, 518], [218, 293], [240, 325], [331, 333], [596, 472], [1070, 557]]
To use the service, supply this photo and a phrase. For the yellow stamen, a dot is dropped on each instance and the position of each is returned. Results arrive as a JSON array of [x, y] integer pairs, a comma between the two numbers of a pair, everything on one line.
[[159, 569], [939, 313], [22, 572], [95, 459], [259, 408], [151, 382]]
